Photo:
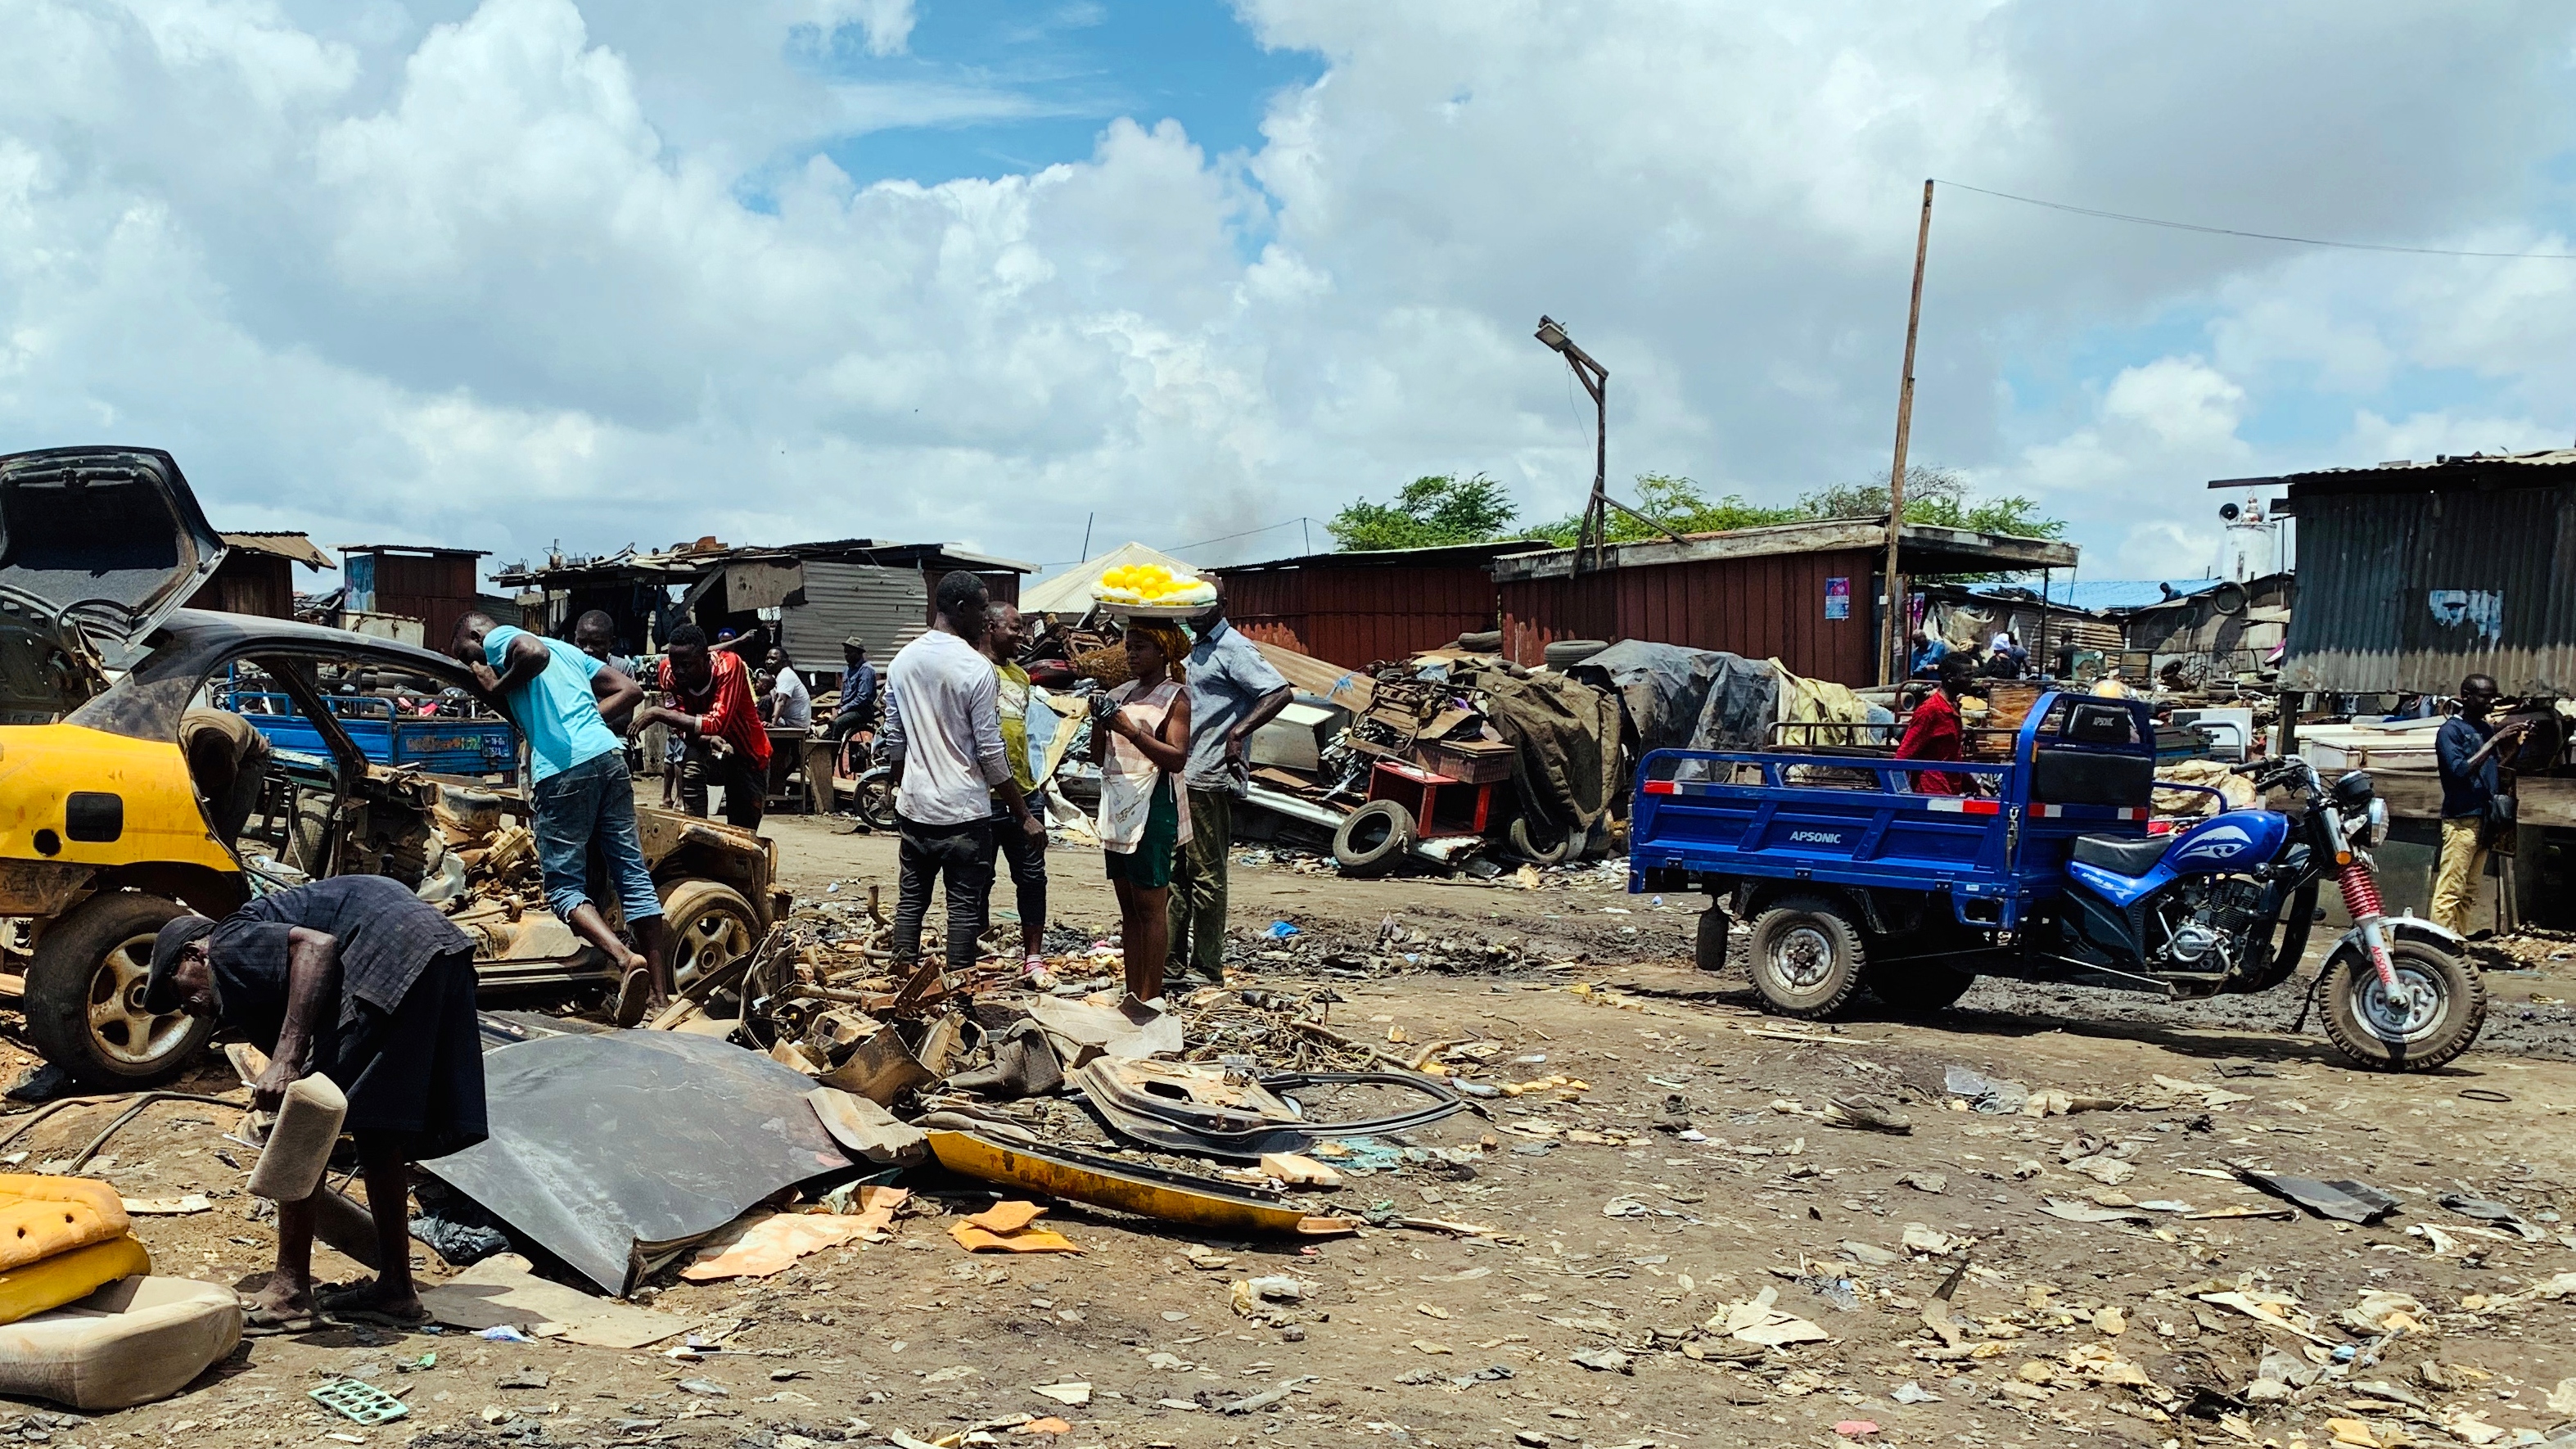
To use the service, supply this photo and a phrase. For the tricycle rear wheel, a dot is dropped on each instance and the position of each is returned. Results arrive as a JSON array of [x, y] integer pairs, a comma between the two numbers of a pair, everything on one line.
[[1807, 957]]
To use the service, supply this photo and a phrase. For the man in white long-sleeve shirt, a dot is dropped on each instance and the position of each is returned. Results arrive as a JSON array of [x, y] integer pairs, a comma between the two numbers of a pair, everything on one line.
[[943, 729]]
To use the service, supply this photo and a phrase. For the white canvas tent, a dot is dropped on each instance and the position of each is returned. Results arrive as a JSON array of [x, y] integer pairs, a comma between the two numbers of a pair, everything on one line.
[[1069, 593]]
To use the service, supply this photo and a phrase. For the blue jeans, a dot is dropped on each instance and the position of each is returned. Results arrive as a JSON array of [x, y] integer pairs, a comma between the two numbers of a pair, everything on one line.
[[593, 802]]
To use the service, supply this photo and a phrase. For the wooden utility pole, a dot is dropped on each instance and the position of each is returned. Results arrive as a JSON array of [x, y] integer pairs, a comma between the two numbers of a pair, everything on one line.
[[1890, 639]]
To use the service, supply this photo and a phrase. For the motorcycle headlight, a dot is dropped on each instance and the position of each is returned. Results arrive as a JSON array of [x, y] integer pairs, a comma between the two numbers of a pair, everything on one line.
[[2352, 791], [2375, 827]]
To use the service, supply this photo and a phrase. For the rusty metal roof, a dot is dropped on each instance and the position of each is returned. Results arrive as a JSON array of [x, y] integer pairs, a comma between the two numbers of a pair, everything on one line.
[[1925, 549], [281, 543], [2406, 475]]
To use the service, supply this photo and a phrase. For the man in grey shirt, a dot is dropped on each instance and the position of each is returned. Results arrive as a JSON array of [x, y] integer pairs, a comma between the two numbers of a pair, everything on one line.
[[1233, 693], [943, 730]]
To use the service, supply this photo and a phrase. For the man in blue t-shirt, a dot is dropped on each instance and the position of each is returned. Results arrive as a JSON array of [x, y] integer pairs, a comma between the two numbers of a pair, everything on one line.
[[570, 707]]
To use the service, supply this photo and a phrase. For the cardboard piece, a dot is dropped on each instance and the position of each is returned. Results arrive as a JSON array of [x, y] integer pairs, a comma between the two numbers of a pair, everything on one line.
[[764, 1243], [1005, 1228], [500, 1290]]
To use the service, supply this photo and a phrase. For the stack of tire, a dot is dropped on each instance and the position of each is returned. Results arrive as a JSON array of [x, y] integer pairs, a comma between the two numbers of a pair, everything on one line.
[[82, 1321]]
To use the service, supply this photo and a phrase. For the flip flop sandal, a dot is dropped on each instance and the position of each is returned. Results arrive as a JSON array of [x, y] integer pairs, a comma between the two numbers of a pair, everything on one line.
[[350, 1305], [271, 1322], [632, 994]]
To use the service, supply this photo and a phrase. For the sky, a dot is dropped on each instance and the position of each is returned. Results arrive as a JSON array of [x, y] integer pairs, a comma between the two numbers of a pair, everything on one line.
[[523, 275]]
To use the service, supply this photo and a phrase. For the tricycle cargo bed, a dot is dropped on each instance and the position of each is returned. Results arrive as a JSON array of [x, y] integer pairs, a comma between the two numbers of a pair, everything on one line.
[[1711, 820]]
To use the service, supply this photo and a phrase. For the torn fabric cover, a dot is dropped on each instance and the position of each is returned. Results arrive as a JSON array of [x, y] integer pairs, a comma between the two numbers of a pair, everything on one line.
[[1687, 699], [1567, 736], [617, 1151]]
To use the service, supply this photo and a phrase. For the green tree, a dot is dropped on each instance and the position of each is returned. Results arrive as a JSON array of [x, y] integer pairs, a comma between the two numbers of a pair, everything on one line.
[[1442, 508], [1679, 505], [1937, 496]]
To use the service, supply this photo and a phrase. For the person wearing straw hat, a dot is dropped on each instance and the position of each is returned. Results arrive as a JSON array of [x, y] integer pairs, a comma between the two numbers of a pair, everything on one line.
[[358, 980]]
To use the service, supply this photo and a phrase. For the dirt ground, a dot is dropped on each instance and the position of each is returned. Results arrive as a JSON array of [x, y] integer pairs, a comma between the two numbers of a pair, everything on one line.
[[1683, 1169]]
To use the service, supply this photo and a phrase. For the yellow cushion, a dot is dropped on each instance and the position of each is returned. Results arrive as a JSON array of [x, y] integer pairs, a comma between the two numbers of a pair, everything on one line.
[[69, 1276], [43, 1216]]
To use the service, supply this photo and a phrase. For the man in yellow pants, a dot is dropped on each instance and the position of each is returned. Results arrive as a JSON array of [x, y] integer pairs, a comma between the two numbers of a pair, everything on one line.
[[2465, 750]]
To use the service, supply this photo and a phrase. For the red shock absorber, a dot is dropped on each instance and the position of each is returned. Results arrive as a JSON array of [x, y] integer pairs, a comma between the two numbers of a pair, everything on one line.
[[2360, 892]]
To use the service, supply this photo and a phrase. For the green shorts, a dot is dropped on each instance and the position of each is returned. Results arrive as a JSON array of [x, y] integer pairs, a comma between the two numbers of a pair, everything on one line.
[[1149, 867]]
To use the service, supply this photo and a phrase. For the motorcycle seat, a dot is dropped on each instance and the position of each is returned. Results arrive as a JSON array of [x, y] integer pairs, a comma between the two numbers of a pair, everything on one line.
[[2128, 855]]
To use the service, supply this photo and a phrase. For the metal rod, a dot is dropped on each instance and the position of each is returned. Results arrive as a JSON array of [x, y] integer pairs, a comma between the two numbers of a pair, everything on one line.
[[1888, 636]]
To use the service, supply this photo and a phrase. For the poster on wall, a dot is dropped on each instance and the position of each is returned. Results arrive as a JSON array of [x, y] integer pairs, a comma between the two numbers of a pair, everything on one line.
[[1837, 598]]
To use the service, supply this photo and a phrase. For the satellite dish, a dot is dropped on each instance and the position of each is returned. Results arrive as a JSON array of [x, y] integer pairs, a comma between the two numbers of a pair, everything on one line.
[[2230, 512]]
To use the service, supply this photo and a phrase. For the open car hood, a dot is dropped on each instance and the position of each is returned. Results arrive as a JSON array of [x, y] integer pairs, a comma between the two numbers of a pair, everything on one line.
[[97, 546]]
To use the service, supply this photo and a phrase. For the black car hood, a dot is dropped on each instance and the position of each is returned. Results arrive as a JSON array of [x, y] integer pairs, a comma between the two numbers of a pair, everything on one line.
[[97, 546]]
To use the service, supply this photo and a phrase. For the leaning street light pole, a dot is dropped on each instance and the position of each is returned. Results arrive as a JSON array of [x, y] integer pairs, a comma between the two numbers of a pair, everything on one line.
[[1593, 534], [1887, 635]]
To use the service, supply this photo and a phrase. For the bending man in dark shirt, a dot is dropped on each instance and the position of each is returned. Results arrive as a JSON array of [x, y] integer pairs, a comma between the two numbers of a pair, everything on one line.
[[358, 980]]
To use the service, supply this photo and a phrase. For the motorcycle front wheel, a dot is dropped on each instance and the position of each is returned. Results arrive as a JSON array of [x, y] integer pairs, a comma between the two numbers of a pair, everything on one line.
[[2434, 1014]]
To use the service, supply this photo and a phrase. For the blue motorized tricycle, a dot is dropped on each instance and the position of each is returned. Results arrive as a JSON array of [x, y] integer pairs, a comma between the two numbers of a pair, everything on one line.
[[1852, 878]]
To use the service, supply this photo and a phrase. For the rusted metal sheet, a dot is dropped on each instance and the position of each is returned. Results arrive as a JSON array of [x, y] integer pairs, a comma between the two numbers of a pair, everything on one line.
[[437, 589], [249, 583], [2407, 592], [1763, 607], [1357, 616]]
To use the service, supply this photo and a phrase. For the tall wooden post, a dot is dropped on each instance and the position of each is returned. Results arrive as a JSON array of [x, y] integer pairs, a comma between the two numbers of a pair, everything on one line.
[[1890, 639]]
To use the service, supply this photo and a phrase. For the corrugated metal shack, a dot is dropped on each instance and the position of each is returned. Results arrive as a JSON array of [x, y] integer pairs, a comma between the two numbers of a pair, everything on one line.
[[257, 575], [1355, 609], [2412, 575], [1805, 594], [818, 593], [405, 581]]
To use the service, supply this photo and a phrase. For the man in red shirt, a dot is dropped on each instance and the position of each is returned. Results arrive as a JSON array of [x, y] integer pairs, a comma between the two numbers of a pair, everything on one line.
[[715, 712], [1934, 733]]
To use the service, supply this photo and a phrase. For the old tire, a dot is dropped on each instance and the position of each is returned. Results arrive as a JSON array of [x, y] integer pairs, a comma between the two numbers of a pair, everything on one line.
[[84, 1002], [1488, 641], [710, 927], [2437, 1013], [1373, 838], [1919, 988], [1536, 845], [1807, 957], [1714, 924], [1566, 653]]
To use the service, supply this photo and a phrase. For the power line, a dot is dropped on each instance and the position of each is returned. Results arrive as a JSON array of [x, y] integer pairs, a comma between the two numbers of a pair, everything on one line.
[[2305, 241], [1247, 533]]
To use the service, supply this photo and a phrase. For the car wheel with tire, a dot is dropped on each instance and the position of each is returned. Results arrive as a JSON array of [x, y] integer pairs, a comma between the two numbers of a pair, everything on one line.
[[84, 1001], [1713, 927], [1919, 988], [1807, 956], [710, 927], [1371, 839], [2435, 1012], [1538, 844]]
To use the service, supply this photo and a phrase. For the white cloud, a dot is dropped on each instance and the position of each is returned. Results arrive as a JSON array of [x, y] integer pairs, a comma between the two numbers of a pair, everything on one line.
[[487, 273], [887, 24]]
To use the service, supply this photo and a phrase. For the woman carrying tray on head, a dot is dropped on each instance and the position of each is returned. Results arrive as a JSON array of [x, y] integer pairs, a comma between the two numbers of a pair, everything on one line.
[[1140, 738]]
